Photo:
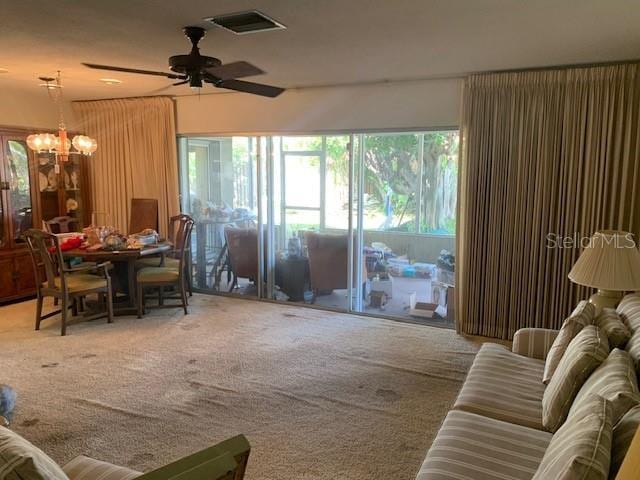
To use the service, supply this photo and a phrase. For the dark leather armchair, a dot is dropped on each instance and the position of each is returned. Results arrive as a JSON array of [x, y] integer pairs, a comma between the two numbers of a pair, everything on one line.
[[328, 262], [243, 253]]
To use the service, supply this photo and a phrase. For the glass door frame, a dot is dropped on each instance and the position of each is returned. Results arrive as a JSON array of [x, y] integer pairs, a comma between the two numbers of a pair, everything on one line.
[[265, 205]]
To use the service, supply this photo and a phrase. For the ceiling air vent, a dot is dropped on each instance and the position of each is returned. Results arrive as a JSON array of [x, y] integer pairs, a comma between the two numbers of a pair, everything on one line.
[[242, 23]]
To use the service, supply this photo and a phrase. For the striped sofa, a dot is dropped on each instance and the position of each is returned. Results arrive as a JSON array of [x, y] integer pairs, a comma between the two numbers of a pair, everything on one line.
[[494, 430]]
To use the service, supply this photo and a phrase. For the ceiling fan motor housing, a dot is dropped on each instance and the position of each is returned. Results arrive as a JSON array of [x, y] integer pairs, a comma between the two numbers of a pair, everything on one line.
[[193, 63]]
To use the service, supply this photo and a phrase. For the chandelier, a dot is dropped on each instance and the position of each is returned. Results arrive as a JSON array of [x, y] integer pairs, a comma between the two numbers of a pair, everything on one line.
[[60, 145]]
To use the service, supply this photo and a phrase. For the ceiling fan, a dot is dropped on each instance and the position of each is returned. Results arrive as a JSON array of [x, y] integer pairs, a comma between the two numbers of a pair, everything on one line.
[[196, 69]]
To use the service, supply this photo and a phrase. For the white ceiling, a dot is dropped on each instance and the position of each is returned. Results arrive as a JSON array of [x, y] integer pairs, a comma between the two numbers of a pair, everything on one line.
[[327, 42]]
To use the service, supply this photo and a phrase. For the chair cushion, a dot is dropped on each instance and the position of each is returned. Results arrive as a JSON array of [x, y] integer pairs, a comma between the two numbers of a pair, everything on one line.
[[617, 332], [158, 274], [85, 468], [615, 379], [623, 433], [155, 262], [79, 282], [581, 448], [470, 446], [504, 386], [20, 460], [584, 354], [629, 311], [579, 318]]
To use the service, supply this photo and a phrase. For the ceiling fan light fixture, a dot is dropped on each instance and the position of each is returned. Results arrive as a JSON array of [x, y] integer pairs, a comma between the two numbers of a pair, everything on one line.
[[50, 86], [195, 82], [111, 81]]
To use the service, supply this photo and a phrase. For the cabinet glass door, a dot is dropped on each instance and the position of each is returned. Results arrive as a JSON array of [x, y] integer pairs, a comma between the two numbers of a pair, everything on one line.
[[48, 186], [21, 213], [4, 228], [71, 181]]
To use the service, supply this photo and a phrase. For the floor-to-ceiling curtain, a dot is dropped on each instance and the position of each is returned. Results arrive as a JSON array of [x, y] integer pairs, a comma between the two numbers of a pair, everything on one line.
[[547, 157], [136, 156]]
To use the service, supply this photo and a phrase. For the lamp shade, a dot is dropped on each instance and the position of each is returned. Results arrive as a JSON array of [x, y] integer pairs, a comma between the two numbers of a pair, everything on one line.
[[611, 261]]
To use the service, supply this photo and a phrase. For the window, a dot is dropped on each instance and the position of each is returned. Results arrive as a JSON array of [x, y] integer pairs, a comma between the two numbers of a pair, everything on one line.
[[406, 183]]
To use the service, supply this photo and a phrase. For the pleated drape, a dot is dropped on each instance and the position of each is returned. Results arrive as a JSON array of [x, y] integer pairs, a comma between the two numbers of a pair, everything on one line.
[[136, 156], [545, 156]]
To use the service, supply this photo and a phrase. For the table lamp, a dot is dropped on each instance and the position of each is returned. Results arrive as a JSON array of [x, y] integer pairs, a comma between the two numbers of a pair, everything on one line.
[[610, 263]]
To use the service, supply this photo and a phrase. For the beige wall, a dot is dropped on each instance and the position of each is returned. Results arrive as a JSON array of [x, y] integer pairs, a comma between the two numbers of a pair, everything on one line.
[[424, 248], [31, 110], [399, 105], [417, 248]]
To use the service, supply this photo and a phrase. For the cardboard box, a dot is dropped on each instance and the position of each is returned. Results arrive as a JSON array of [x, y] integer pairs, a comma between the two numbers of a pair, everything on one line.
[[422, 309]]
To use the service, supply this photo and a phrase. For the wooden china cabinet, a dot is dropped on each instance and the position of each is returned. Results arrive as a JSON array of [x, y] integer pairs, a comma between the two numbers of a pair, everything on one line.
[[31, 191]]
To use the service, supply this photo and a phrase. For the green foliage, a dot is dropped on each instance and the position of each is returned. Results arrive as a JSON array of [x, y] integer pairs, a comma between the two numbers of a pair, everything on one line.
[[392, 165]]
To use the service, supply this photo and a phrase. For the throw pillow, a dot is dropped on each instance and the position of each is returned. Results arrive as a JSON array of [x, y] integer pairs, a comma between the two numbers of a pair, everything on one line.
[[615, 379], [629, 311], [623, 433], [19, 460], [584, 354], [579, 318], [617, 332], [581, 448]]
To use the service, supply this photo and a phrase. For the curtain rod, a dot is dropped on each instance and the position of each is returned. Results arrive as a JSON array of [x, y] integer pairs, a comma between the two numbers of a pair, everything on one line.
[[566, 66]]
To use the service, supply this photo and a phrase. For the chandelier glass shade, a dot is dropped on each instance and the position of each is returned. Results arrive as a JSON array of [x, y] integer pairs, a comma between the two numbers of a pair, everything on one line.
[[59, 144]]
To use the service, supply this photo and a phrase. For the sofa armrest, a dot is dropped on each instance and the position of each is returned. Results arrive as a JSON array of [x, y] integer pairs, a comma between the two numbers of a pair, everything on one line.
[[533, 342]]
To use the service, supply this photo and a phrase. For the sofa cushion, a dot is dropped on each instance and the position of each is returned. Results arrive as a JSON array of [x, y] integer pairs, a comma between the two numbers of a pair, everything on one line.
[[617, 332], [629, 311], [615, 379], [623, 433], [584, 354], [581, 448], [20, 460], [581, 317], [505, 386], [470, 446], [85, 468]]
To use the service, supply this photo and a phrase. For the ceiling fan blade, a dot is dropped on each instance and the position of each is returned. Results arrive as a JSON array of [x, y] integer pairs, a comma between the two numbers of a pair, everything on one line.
[[134, 70], [234, 70], [250, 87]]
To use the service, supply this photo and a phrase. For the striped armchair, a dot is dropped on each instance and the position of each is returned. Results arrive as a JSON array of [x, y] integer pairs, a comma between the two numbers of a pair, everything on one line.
[[20, 459]]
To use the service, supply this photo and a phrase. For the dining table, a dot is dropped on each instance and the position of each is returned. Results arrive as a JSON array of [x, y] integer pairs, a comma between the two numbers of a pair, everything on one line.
[[124, 262]]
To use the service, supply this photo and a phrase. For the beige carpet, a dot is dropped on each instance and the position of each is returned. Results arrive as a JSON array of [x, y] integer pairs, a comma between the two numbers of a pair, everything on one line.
[[319, 395]]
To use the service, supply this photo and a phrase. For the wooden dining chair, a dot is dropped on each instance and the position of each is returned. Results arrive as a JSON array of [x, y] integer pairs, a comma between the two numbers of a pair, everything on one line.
[[63, 224], [171, 259], [144, 214], [162, 277], [69, 285]]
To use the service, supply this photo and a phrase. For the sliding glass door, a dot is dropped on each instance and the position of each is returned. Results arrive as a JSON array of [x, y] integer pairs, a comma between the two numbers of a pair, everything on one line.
[[310, 200], [219, 190], [354, 222]]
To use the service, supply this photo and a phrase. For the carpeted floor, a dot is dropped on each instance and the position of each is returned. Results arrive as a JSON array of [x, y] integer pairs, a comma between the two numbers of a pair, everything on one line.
[[319, 395]]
